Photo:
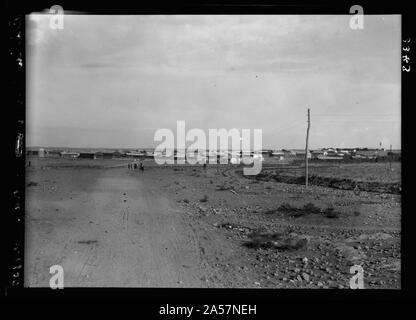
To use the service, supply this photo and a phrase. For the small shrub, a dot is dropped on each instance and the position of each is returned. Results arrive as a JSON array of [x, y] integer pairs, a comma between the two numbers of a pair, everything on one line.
[[223, 187], [331, 213], [271, 211], [286, 207], [311, 208], [291, 210], [278, 241], [204, 199], [264, 240]]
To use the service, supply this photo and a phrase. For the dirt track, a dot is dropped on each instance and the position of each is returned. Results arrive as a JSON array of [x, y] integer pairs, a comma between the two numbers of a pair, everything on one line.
[[118, 232], [189, 226]]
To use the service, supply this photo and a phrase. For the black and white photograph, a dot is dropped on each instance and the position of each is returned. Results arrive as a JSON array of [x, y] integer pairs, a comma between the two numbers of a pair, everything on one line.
[[243, 151]]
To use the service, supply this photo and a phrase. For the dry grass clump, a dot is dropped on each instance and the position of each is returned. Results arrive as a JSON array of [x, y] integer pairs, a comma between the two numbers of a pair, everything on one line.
[[276, 240]]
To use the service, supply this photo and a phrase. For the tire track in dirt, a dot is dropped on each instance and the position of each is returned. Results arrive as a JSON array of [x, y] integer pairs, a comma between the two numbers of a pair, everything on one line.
[[123, 233]]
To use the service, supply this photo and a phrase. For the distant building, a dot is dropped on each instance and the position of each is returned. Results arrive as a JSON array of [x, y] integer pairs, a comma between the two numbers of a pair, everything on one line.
[[118, 154], [331, 152], [266, 152], [343, 151], [302, 153], [316, 154], [382, 153], [107, 155], [54, 153], [365, 154], [99, 155], [68, 154], [258, 157], [289, 154], [32, 152], [278, 154], [136, 154], [87, 155]]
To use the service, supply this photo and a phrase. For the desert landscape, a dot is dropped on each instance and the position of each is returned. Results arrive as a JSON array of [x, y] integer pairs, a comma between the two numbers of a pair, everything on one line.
[[109, 98], [212, 227]]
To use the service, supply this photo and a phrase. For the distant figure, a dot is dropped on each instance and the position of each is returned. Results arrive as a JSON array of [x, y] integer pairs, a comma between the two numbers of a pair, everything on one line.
[[135, 166], [205, 165], [141, 166], [29, 164]]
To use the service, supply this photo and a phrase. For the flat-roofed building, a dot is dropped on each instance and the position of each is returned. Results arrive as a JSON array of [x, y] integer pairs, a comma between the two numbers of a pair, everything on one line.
[[87, 155]]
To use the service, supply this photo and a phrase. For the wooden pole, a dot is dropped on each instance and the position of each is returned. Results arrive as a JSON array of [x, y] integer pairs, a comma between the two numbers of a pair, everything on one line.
[[390, 156], [307, 149]]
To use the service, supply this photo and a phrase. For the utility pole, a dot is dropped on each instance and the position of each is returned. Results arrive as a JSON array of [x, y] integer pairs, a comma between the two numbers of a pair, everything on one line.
[[307, 149], [390, 156]]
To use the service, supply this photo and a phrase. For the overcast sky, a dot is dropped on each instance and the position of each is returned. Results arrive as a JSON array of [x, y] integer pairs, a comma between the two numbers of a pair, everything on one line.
[[112, 81]]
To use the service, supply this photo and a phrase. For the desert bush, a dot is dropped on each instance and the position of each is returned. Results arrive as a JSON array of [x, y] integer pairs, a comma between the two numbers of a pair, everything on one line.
[[292, 210], [223, 187], [308, 208], [271, 211], [311, 208], [276, 240], [331, 213], [258, 240], [204, 199], [286, 207]]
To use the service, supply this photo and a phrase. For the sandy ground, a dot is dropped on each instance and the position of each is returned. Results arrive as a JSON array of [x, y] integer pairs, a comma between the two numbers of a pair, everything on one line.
[[175, 227], [108, 227]]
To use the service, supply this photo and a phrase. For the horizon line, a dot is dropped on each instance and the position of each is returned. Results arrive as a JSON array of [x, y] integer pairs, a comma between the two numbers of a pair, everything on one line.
[[291, 148]]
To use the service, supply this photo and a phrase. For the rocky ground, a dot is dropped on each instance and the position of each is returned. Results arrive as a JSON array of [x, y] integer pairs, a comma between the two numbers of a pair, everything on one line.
[[364, 231], [192, 226]]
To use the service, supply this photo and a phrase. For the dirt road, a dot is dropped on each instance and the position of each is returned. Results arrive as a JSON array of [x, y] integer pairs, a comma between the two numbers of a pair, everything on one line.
[[193, 227], [107, 228]]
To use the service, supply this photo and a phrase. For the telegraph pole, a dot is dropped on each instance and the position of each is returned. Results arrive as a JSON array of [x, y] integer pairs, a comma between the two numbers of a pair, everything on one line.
[[307, 149], [390, 156]]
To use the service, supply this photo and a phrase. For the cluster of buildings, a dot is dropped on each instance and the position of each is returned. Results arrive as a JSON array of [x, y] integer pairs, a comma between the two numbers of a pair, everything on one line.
[[230, 156], [285, 154], [334, 153], [41, 152], [353, 153]]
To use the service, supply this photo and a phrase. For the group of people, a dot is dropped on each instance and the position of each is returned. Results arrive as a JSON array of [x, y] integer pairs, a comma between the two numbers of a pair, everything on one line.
[[135, 165]]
